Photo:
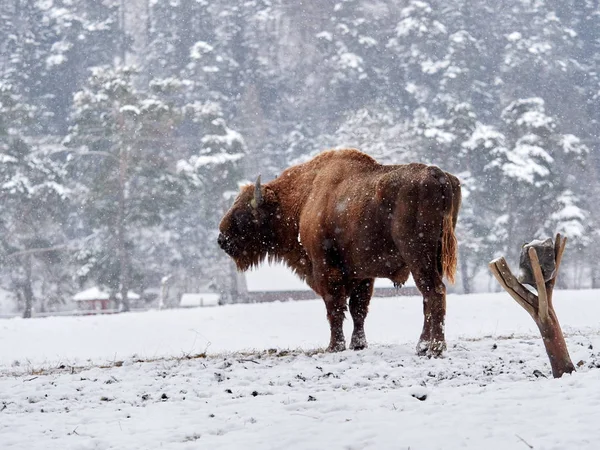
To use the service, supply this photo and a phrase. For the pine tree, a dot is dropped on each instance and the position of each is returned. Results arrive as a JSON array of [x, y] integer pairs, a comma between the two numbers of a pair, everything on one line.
[[33, 197], [536, 152], [122, 138], [217, 170]]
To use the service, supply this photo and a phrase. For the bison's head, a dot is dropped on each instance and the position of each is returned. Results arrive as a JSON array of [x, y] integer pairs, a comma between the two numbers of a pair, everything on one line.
[[247, 230]]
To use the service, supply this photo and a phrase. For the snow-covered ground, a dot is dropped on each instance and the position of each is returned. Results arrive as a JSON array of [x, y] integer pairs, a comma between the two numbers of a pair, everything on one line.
[[254, 377]]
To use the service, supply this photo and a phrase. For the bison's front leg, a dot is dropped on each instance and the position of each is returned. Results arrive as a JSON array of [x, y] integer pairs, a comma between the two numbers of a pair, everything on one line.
[[328, 281], [432, 341]]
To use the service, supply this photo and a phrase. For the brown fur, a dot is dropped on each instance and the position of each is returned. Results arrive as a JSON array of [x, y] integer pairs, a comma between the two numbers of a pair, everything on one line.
[[341, 220]]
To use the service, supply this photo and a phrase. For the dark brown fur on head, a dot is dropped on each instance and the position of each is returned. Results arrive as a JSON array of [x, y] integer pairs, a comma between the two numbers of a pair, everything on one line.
[[247, 229]]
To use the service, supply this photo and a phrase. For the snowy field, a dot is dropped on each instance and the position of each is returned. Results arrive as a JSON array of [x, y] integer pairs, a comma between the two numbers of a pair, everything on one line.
[[255, 377]]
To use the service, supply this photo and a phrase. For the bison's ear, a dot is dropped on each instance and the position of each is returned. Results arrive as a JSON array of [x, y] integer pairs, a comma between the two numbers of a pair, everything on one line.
[[258, 197]]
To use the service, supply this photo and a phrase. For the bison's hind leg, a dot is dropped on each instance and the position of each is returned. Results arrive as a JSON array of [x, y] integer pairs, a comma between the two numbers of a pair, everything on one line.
[[336, 307], [432, 341], [335, 303], [360, 296]]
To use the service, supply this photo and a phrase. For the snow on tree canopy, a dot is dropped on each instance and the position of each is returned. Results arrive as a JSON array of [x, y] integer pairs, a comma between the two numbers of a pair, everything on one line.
[[199, 49], [484, 136], [569, 218], [572, 144], [506, 98], [220, 158], [522, 164]]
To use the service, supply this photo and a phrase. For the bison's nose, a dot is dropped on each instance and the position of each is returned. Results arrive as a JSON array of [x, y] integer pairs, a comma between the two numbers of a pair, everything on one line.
[[221, 240]]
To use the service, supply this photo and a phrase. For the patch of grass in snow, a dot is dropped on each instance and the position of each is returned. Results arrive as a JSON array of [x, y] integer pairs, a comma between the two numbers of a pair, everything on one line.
[[252, 356], [528, 336], [41, 370]]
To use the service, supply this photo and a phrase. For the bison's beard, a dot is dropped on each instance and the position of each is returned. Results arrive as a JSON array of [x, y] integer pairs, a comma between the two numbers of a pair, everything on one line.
[[248, 259], [247, 253]]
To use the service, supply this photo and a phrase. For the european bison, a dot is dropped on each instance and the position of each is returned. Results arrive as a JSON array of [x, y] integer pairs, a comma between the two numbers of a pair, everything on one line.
[[341, 220]]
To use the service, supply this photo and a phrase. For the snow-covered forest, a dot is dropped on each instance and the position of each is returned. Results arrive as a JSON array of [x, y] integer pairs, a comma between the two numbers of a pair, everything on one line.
[[127, 126]]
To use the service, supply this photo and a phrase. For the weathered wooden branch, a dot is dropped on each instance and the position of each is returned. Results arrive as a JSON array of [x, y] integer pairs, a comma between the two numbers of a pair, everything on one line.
[[539, 306], [540, 284]]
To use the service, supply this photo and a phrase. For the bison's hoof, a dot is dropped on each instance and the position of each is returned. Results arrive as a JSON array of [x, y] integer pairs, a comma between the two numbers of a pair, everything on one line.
[[336, 347], [358, 343], [431, 348]]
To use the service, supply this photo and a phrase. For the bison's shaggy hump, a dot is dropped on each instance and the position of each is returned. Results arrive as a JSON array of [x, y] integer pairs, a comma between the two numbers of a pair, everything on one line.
[[341, 220], [345, 153]]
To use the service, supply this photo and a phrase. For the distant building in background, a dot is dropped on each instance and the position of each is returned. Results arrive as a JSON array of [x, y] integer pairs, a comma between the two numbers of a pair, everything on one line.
[[276, 282], [194, 300], [97, 301], [92, 299]]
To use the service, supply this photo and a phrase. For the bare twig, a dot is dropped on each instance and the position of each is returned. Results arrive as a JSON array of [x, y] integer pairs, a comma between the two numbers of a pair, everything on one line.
[[524, 441], [305, 415], [248, 360], [30, 251], [96, 152], [65, 246]]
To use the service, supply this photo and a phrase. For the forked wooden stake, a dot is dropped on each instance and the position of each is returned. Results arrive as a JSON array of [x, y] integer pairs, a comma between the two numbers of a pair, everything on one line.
[[539, 306]]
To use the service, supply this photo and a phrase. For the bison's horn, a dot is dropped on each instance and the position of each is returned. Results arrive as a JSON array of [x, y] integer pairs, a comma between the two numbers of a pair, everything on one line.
[[258, 198]]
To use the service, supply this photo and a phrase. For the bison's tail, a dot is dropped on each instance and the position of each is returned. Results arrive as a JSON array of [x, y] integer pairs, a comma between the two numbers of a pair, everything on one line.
[[449, 243], [449, 249]]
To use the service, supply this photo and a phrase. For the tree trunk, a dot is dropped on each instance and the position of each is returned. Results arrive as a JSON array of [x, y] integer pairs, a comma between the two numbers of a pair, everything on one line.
[[135, 18], [242, 287], [464, 275], [121, 232], [233, 283], [27, 288], [595, 277]]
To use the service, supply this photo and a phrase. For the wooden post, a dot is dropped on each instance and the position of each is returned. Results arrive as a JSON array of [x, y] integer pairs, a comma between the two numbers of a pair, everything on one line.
[[539, 306]]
